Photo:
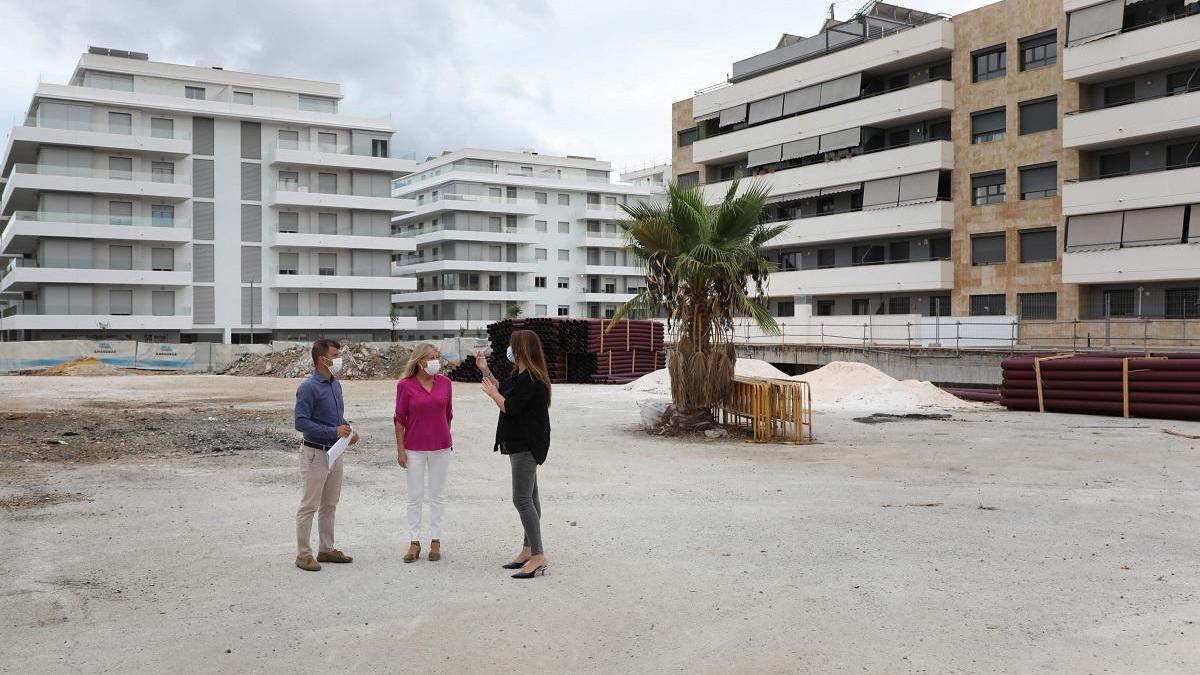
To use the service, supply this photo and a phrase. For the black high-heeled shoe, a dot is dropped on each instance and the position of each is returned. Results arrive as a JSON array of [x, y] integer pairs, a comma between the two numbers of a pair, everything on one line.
[[529, 575], [513, 565]]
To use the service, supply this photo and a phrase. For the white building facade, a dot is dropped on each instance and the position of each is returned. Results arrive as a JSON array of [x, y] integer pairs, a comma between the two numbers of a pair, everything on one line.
[[161, 202], [500, 234]]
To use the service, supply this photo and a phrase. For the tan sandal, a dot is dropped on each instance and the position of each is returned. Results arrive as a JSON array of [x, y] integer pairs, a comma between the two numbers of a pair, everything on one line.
[[435, 550], [414, 552]]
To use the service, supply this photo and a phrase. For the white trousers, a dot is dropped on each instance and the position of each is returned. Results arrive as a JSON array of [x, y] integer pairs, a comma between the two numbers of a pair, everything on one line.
[[427, 467]]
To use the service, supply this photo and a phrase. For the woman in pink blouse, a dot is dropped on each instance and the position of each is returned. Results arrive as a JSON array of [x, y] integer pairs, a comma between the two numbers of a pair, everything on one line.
[[424, 408]]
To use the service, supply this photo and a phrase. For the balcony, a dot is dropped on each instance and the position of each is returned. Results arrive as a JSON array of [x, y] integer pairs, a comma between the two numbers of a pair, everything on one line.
[[27, 180], [1176, 262], [26, 139], [609, 298], [291, 279], [1134, 49], [290, 193], [518, 294], [475, 204], [340, 241], [26, 228], [414, 265], [341, 322], [26, 274], [1149, 189], [548, 179], [595, 239], [27, 316], [916, 158], [336, 156], [503, 235], [914, 219], [908, 47], [1138, 121], [929, 275], [914, 103], [617, 270]]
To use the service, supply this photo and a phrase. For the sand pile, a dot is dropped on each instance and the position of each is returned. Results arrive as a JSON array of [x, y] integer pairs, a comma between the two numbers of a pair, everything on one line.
[[360, 361], [86, 366], [658, 383]]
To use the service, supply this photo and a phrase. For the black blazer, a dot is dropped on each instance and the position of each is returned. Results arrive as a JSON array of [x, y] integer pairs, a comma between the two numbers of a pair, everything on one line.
[[524, 424]]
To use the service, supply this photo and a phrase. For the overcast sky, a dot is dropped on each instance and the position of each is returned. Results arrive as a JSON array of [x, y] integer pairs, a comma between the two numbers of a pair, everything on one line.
[[584, 77]]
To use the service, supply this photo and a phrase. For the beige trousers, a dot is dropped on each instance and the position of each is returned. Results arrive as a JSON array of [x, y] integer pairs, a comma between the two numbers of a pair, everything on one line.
[[322, 488]]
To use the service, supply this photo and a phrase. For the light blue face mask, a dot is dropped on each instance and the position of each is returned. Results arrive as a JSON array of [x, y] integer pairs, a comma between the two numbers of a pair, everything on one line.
[[509, 354]]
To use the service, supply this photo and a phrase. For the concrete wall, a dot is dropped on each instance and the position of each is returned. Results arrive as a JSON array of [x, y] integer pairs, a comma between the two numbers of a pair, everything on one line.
[[966, 368]]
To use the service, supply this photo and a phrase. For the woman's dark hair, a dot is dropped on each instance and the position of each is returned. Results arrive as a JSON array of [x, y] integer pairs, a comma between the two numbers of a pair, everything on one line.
[[321, 348]]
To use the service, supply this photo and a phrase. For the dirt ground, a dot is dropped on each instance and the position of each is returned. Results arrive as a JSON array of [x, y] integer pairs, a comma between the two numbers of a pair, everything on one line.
[[148, 527]]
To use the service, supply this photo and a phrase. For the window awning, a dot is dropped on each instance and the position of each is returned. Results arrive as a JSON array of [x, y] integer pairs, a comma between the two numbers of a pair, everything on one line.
[[1095, 22], [881, 194], [801, 100], [1094, 232], [766, 109], [842, 89], [918, 187], [847, 138], [709, 116], [848, 187], [733, 115], [763, 156], [1153, 227], [801, 148]]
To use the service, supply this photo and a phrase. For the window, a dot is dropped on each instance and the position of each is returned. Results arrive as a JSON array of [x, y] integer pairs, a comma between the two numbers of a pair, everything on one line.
[[1183, 154], [289, 140], [1120, 303], [539, 310], [327, 223], [162, 259], [539, 225], [564, 255], [825, 258], [289, 304], [120, 168], [1039, 115], [1183, 303], [564, 227], [327, 264], [327, 183], [379, 147], [1183, 82], [120, 123], [825, 308], [688, 136], [868, 254], [939, 305], [120, 213], [988, 249], [196, 93], [1118, 94], [162, 172], [860, 306], [987, 188], [788, 261], [939, 248], [326, 142], [564, 282], [162, 127], [1039, 50], [900, 305], [689, 180], [539, 253], [785, 308], [564, 200], [289, 222], [496, 283], [988, 126], [1116, 164], [162, 215], [989, 64], [564, 310], [1037, 306], [593, 199], [539, 197], [1039, 181], [243, 97], [539, 282], [120, 303], [898, 251], [826, 205], [120, 257], [317, 104], [1039, 245], [987, 305]]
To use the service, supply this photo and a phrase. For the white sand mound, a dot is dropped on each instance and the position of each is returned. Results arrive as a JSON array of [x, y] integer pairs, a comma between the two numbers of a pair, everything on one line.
[[659, 382]]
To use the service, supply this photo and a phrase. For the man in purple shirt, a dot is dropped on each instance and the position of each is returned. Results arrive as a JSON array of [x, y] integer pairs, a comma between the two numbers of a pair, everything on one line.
[[320, 416]]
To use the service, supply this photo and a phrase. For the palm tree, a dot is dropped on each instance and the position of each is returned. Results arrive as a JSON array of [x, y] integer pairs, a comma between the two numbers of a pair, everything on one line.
[[702, 264]]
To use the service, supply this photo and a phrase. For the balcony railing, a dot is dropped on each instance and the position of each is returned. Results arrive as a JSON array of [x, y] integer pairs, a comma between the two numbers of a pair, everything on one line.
[[139, 266], [325, 272], [416, 232], [546, 174], [296, 186], [104, 174], [30, 308], [442, 258], [1136, 27], [398, 313], [519, 288], [46, 122], [1139, 99], [97, 219], [338, 149], [1138, 172]]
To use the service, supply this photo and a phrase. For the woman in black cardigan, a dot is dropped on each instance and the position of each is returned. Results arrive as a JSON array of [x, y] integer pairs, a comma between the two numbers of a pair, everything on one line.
[[523, 433]]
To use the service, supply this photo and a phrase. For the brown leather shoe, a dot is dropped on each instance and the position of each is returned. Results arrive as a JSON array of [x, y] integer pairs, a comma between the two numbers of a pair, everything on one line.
[[435, 550], [414, 552], [334, 556], [307, 563]]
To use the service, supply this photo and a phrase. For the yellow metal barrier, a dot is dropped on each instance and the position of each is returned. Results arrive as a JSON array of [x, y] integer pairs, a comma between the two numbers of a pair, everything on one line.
[[774, 410]]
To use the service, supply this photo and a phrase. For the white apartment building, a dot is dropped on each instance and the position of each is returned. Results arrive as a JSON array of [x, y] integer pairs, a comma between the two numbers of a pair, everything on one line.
[[497, 233], [1133, 216], [850, 130], [162, 202], [654, 177]]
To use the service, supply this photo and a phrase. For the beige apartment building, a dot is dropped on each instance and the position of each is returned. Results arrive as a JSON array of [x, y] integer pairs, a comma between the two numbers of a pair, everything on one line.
[[1031, 159]]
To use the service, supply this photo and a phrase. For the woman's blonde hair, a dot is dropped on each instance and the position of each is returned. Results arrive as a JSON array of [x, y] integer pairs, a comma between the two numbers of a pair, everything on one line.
[[527, 349], [414, 359]]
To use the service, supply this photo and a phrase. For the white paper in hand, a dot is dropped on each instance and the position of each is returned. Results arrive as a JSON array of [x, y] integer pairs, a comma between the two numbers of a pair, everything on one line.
[[336, 450]]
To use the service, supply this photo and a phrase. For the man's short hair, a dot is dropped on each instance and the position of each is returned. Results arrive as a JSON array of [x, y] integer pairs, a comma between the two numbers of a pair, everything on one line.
[[321, 348]]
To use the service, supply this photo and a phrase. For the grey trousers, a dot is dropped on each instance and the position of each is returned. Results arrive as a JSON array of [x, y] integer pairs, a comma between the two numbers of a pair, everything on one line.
[[525, 498]]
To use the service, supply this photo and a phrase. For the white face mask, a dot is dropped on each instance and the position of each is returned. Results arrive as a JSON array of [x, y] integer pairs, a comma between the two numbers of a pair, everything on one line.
[[433, 367], [335, 366]]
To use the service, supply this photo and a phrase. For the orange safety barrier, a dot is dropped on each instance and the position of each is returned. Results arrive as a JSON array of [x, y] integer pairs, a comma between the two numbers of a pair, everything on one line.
[[774, 410]]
